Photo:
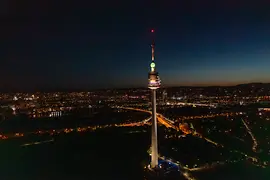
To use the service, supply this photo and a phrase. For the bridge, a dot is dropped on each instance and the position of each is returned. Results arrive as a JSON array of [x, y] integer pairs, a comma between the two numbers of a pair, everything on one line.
[[161, 119], [166, 122], [141, 123], [193, 104], [169, 124]]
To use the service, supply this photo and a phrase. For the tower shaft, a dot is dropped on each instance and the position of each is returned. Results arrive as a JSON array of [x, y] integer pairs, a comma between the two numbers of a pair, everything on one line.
[[153, 51], [154, 150], [153, 85]]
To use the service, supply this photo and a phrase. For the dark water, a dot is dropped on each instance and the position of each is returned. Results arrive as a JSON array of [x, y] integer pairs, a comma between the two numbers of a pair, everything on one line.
[[238, 171], [24, 124], [111, 155], [106, 155]]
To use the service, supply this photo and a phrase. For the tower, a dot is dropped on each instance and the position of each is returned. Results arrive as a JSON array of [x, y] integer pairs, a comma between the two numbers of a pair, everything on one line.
[[153, 85]]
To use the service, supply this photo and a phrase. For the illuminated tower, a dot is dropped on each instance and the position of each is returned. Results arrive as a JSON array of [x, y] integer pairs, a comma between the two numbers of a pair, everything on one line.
[[154, 84]]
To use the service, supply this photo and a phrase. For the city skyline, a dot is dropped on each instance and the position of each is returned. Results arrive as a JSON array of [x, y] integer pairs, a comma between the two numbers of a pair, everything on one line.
[[88, 46]]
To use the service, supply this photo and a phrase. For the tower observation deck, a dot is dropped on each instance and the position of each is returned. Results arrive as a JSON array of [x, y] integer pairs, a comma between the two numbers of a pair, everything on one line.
[[153, 84]]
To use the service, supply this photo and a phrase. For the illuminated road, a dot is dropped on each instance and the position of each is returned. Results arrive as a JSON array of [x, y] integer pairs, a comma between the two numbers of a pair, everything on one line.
[[166, 122], [193, 104], [182, 168], [161, 119], [38, 142], [141, 123], [255, 143], [200, 168], [209, 116], [185, 171], [208, 140], [54, 131]]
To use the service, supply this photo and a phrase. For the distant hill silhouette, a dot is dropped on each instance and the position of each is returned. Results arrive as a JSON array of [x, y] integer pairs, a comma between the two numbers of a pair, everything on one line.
[[255, 84]]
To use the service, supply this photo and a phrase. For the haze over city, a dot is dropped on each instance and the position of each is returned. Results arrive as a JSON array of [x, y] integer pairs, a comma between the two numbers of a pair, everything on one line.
[[137, 90], [104, 44]]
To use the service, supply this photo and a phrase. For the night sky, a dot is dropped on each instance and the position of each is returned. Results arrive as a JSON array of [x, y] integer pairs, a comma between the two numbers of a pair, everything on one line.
[[75, 44]]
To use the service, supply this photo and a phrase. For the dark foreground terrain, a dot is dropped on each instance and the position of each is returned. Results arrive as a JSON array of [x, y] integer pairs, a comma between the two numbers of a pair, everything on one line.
[[106, 154], [113, 154]]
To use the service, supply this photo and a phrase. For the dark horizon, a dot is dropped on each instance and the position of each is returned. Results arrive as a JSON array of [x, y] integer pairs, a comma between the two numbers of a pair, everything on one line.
[[96, 45], [123, 88]]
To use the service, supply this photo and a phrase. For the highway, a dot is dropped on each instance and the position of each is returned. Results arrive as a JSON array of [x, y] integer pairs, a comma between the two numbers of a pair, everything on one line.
[[208, 116], [37, 142], [141, 123], [166, 122], [255, 143], [161, 119], [192, 104]]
